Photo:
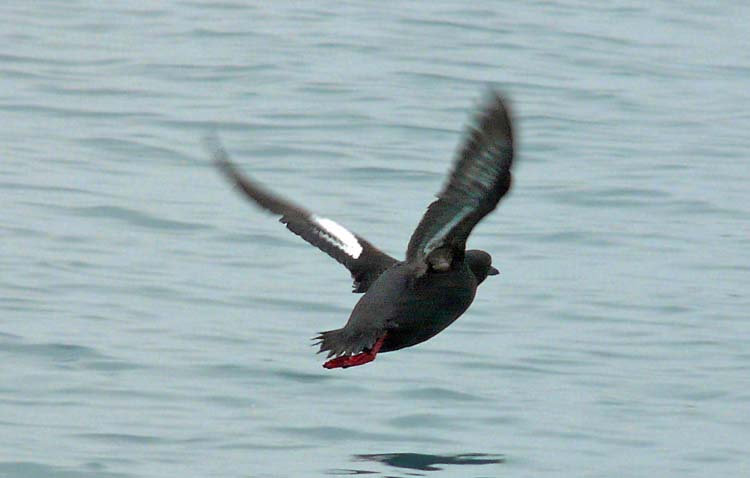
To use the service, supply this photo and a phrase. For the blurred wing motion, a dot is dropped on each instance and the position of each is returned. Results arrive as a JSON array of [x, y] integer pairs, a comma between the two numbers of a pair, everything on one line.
[[364, 261], [480, 178]]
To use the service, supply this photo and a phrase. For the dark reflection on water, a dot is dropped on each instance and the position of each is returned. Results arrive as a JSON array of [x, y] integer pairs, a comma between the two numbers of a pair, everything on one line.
[[420, 461], [343, 472]]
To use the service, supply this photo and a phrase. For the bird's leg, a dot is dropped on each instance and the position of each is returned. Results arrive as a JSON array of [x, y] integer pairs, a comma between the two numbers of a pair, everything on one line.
[[359, 359]]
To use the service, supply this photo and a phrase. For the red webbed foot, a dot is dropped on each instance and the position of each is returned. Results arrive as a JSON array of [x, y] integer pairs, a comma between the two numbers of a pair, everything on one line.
[[359, 359]]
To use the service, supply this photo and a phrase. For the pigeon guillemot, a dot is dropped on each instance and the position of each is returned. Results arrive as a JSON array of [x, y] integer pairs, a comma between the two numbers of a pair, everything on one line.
[[407, 302]]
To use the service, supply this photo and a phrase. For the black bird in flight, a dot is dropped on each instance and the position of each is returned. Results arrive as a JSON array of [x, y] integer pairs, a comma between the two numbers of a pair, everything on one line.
[[407, 302]]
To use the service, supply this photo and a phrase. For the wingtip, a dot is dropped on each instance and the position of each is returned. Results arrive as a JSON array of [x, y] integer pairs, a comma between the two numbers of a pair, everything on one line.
[[494, 97], [219, 155], [220, 159], [495, 103], [494, 118]]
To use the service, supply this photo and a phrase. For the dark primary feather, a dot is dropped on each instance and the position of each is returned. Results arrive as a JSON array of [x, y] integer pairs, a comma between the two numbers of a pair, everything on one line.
[[365, 269], [480, 178]]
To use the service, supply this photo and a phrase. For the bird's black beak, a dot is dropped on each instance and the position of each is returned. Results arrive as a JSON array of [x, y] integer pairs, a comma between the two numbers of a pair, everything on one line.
[[492, 271]]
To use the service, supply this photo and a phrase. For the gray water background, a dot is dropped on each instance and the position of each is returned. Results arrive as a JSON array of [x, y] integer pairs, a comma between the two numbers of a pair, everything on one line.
[[153, 324]]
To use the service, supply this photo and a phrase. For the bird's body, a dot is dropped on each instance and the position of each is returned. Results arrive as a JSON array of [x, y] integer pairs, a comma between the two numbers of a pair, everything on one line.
[[408, 302], [410, 309]]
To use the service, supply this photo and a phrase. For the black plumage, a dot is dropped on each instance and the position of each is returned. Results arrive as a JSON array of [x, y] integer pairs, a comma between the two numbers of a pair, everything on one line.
[[408, 302]]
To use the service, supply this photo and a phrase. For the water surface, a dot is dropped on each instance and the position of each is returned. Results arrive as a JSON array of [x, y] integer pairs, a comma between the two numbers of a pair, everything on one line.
[[156, 325]]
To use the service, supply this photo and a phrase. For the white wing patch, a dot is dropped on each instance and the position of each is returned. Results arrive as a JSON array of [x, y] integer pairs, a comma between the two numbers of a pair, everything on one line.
[[337, 235]]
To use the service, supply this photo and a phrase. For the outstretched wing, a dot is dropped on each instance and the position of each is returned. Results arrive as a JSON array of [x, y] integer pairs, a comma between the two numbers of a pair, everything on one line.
[[364, 261], [480, 178]]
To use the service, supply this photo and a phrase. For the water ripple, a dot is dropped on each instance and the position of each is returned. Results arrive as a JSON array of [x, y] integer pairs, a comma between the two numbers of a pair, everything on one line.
[[439, 395], [134, 218], [337, 434], [22, 469]]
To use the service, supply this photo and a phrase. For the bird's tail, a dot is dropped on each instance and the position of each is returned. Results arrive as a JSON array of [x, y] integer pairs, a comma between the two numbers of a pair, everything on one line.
[[341, 342]]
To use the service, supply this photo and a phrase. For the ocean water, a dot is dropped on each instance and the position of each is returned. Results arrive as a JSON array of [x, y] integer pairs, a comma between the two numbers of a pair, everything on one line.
[[154, 324]]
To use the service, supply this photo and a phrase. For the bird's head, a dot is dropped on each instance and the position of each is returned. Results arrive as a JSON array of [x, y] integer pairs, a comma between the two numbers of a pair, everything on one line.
[[480, 264]]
